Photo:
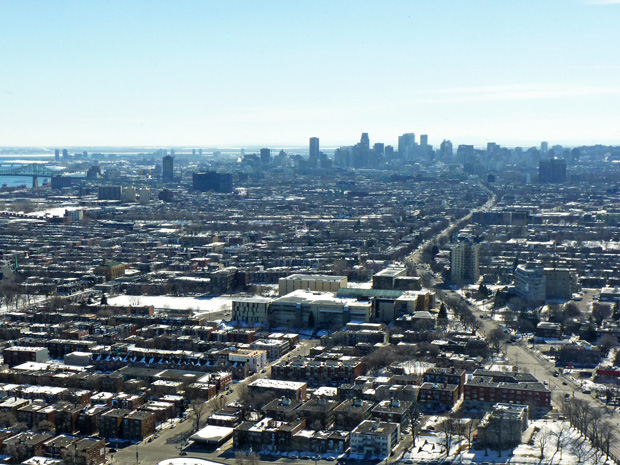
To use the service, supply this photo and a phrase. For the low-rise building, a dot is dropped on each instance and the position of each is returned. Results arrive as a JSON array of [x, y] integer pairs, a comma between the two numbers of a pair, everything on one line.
[[393, 411], [17, 355], [351, 413], [373, 438], [267, 434], [250, 310], [282, 409], [446, 375], [290, 389], [438, 396], [318, 283], [255, 359], [485, 389], [503, 426]]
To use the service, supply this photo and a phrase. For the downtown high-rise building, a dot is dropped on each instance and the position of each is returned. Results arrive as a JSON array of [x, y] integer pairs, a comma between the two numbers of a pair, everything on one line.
[[313, 154], [265, 156], [406, 142], [167, 168], [446, 150]]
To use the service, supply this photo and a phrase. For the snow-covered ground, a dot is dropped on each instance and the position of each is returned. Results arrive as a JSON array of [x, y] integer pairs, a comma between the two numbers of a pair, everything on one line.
[[573, 449], [187, 461], [55, 211], [355, 285], [22, 304], [200, 305]]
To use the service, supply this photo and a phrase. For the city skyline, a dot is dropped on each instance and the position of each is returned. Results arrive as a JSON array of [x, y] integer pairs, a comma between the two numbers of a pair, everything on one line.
[[219, 74]]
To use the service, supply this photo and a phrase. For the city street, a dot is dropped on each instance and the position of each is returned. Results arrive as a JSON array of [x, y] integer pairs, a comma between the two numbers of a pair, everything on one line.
[[520, 355]]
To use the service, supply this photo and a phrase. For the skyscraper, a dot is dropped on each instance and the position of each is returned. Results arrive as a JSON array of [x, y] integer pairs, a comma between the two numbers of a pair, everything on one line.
[[544, 147], [424, 140], [365, 141], [406, 143], [446, 150], [313, 157], [56, 154], [168, 168], [265, 156], [379, 149], [65, 153]]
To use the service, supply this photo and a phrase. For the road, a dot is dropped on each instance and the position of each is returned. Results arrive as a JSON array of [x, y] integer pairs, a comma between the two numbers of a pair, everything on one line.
[[525, 357], [170, 441], [519, 353], [416, 257]]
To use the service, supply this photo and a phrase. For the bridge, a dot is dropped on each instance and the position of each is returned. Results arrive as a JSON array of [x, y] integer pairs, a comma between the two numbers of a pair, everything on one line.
[[33, 171]]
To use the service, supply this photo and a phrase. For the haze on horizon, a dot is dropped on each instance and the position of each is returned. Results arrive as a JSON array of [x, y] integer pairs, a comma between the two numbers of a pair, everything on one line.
[[182, 73]]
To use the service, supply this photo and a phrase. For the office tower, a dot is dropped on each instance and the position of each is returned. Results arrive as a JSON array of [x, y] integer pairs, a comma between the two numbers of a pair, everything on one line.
[[465, 153], [84, 154], [265, 156], [193, 151], [406, 143], [365, 141], [464, 261], [379, 149], [552, 171], [212, 181], [168, 168], [65, 153], [56, 154], [389, 152], [446, 150], [424, 140], [172, 152], [313, 154], [544, 147], [200, 152]]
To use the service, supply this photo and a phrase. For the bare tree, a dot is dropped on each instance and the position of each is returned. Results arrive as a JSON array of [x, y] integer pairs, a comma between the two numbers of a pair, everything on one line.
[[241, 458], [7, 420], [542, 439], [496, 338], [471, 427], [197, 412], [44, 426], [416, 418], [217, 403], [581, 451], [559, 436], [600, 311], [447, 427], [606, 436], [253, 458]]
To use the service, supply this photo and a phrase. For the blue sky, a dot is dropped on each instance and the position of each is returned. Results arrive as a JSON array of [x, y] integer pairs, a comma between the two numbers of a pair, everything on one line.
[[235, 73]]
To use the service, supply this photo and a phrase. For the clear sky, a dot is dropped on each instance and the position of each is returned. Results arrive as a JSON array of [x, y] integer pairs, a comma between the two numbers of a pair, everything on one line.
[[235, 73]]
